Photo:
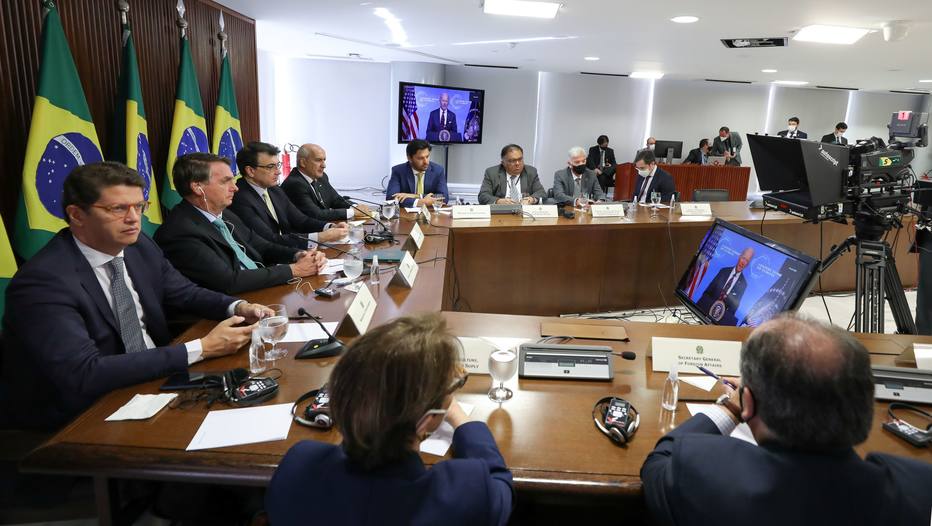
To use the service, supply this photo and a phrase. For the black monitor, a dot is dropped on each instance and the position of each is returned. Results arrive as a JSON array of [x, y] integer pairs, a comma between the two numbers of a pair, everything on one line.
[[774, 278], [661, 147], [810, 167]]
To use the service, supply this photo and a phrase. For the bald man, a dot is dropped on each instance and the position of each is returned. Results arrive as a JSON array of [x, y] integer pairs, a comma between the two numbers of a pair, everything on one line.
[[308, 187]]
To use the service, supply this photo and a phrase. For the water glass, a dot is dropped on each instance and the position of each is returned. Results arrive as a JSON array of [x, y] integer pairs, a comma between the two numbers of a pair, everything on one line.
[[390, 209], [272, 329], [258, 361], [352, 267], [655, 199], [503, 364], [356, 235]]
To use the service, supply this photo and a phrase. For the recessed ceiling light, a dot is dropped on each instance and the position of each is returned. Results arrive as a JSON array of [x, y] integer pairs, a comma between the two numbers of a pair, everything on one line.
[[830, 34], [768, 71], [791, 82], [399, 36], [685, 19], [511, 40], [591, 59], [521, 8], [646, 75], [927, 80]]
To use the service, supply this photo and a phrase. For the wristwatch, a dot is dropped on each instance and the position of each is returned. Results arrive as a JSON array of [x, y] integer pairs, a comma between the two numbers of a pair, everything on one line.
[[733, 411]]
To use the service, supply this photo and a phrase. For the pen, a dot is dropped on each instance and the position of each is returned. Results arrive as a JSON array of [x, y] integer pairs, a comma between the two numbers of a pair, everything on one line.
[[717, 377]]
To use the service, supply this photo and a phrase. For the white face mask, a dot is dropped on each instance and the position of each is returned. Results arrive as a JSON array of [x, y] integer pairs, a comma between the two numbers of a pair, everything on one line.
[[650, 147], [791, 127], [839, 134], [644, 173]]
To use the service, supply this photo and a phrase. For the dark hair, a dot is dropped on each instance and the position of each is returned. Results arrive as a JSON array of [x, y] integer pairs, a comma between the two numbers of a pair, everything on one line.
[[812, 383], [249, 154], [386, 381], [841, 126], [793, 119], [601, 139], [415, 146], [645, 155], [724, 129], [83, 185], [509, 147], [193, 168], [703, 142]]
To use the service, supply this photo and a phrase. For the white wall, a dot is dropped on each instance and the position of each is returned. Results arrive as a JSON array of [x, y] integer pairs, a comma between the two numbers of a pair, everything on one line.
[[819, 110]]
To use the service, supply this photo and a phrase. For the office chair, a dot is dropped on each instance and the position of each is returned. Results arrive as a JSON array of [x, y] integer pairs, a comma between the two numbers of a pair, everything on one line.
[[710, 194]]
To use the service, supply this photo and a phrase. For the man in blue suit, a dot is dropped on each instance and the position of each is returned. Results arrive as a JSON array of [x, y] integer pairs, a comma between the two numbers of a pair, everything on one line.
[[441, 124], [418, 181], [807, 394], [86, 315]]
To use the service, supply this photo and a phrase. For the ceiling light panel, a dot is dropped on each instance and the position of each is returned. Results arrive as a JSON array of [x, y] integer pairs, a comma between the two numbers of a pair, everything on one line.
[[521, 8]]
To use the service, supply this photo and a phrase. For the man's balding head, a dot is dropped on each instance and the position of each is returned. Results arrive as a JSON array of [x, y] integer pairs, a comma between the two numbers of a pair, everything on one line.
[[312, 160]]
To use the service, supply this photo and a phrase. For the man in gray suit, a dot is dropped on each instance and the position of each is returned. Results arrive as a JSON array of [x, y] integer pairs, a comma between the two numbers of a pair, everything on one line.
[[576, 184], [512, 181], [728, 143]]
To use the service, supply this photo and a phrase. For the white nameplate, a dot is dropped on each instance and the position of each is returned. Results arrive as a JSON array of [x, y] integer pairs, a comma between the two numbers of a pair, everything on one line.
[[540, 210], [607, 209], [424, 211], [415, 239], [695, 209], [359, 315], [476, 353], [472, 212], [406, 273], [923, 354], [718, 356]]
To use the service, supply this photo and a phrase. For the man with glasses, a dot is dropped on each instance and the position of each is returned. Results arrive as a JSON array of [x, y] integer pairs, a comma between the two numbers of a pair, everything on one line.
[[511, 181], [212, 246], [86, 315], [264, 207]]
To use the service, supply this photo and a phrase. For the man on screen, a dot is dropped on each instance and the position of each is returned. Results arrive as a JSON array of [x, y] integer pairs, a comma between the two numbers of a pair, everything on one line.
[[441, 126], [722, 297]]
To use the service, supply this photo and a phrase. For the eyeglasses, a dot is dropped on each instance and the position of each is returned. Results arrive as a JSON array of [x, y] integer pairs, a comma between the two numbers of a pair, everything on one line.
[[270, 166], [460, 380], [514, 161], [123, 210]]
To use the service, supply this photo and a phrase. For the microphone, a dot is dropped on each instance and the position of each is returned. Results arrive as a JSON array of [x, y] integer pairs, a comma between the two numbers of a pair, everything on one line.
[[346, 200], [320, 243], [627, 355], [322, 347]]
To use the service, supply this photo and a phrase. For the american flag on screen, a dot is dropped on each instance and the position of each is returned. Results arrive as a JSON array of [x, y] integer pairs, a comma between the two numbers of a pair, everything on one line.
[[409, 120], [702, 262]]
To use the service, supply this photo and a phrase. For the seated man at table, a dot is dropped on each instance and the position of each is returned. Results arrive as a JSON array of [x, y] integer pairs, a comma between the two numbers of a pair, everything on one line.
[[511, 181], [308, 187], [838, 137], [699, 155], [792, 130], [576, 184], [601, 158], [807, 394], [651, 178], [418, 181], [86, 315], [265, 208], [212, 246]]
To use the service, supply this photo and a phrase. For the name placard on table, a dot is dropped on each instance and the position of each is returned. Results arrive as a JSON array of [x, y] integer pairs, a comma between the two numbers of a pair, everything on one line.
[[359, 315], [607, 209], [415, 240], [695, 209], [472, 212], [540, 210], [718, 356], [406, 273]]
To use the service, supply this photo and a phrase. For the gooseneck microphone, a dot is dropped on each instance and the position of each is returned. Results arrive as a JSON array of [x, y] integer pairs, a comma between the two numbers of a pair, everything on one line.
[[320, 243], [321, 347]]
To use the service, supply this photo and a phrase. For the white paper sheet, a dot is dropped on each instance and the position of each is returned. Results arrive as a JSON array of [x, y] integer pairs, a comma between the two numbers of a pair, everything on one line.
[[142, 406], [439, 442], [742, 432], [354, 287], [247, 425], [357, 222], [923, 354], [412, 209], [504, 343], [706, 383], [302, 331], [333, 266]]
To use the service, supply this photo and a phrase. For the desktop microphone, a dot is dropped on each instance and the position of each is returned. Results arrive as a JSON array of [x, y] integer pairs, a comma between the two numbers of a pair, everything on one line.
[[627, 355], [322, 347], [320, 243], [346, 199], [368, 214]]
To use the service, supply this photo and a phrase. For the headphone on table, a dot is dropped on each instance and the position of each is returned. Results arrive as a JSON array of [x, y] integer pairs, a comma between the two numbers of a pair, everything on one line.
[[317, 413], [619, 434]]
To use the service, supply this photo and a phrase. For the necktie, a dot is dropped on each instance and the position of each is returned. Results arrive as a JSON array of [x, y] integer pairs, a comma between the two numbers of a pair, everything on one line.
[[443, 120], [268, 204], [645, 193], [228, 237], [317, 194], [125, 309], [577, 191], [704, 161], [420, 183], [602, 158], [727, 288], [513, 193]]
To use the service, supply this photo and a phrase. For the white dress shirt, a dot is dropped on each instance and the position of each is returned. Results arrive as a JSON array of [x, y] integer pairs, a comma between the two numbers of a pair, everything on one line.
[[350, 213]]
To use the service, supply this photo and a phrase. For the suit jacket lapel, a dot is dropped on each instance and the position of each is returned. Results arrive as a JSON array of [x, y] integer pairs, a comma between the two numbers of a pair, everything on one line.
[[280, 209], [151, 303], [201, 222], [90, 284]]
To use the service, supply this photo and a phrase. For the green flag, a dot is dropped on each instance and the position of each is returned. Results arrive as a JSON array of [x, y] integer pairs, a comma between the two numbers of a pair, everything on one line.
[[189, 133], [7, 265], [61, 137], [130, 132], [227, 138]]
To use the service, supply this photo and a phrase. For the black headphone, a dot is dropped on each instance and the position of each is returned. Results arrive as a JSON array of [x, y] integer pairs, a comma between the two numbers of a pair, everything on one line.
[[619, 435], [316, 417]]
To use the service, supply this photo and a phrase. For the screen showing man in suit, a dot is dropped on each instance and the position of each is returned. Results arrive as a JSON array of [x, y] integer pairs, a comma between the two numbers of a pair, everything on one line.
[[838, 136], [441, 126], [792, 130]]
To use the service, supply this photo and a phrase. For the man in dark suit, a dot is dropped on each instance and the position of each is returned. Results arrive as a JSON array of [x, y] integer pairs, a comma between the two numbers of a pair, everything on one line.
[[265, 208], [212, 246], [699, 155], [651, 179], [309, 188], [511, 181], [441, 125], [807, 394], [601, 159], [839, 136], [721, 298], [418, 181], [792, 130], [86, 315], [576, 184], [728, 144]]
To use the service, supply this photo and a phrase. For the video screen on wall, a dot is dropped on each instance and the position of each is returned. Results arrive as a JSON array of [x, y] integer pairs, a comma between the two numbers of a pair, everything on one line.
[[741, 279], [439, 114]]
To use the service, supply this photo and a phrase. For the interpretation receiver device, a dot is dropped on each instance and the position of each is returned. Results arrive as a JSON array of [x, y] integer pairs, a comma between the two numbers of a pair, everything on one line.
[[572, 362]]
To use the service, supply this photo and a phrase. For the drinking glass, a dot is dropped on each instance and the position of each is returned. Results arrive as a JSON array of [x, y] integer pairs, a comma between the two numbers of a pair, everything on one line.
[[272, 329], [438, 203], [352, 267], [356, 234], [655, 199], [503, 364], [390, 209]]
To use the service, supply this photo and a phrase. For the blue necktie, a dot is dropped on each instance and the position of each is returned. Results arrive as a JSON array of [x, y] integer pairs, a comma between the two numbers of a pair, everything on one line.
[[228, 237]]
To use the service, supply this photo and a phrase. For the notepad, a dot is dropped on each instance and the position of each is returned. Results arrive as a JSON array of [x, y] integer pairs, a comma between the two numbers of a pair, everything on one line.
[[741, 432], [247, 425], [307, 330], [441, 440]]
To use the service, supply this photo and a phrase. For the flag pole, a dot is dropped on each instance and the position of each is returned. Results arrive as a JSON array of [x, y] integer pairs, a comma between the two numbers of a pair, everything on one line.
[[222, 37], [181, 22]]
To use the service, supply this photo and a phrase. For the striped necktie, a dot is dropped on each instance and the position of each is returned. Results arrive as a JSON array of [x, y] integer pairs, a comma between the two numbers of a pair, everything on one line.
[[125, 309]]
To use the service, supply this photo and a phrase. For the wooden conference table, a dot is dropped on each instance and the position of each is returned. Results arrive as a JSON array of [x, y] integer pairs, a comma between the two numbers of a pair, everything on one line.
[[545, 432]]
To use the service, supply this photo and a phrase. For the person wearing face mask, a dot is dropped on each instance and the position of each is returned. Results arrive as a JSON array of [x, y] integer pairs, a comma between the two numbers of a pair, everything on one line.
[[699, 155], [511, 181], [839, 136], [649, 146], [602, 160], [576, 183], [728, 144], [792, 130], [651, 179]]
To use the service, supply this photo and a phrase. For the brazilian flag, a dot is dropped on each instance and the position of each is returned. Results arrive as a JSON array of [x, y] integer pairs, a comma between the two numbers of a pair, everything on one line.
[[61, 137], [7, 265], [130, 132], [188, 127], [227, 139]]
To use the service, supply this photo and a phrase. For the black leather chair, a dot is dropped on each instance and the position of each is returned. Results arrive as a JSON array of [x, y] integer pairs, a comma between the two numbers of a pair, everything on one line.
[[710, 194]]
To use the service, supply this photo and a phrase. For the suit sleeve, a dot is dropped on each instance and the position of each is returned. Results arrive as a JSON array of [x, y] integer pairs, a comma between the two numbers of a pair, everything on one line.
[[560, 194], [474, 440], [299, 195], [610, 157], [667, 188], [592, 160], [597, 192], [260, 227], [537, 189], [304, 223], [486, 192], [180, 293], [394, 187], [271, 251]]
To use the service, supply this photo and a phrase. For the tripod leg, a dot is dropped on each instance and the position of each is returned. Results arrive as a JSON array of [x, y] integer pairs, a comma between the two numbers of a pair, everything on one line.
[[897, 298]]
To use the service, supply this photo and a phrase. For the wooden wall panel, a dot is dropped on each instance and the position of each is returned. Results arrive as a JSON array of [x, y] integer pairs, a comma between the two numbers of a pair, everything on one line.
[[94, 34]]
